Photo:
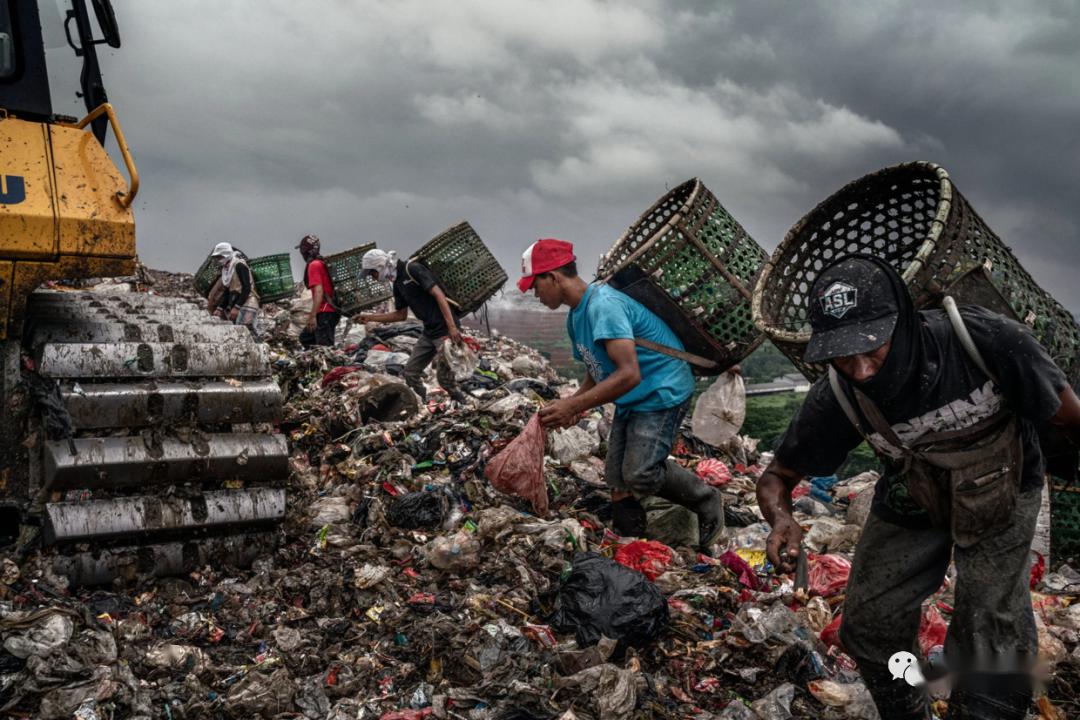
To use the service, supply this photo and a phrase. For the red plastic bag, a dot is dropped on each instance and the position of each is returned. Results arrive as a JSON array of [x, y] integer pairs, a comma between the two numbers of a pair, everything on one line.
[[407, 714], [519, 468], [713, 472], [648, 557], [742, 570], [831, 634], [337, 373], [828, 574], [1038, 569], [932, 629]]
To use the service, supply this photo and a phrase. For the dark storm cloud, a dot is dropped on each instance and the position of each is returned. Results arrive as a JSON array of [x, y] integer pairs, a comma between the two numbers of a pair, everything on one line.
[[389, 121]]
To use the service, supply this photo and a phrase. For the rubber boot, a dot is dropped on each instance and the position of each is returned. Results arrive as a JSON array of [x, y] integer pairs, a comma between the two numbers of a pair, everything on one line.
[[684, 488]]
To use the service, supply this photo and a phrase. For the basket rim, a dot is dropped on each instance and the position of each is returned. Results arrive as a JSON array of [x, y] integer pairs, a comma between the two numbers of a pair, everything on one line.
[[341, 253], [675, 219], [926, 249]]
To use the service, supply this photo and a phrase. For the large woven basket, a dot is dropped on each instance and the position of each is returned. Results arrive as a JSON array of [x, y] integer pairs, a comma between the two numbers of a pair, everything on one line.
[[206, 276], [689, 261], [273, 277], [467, 271], [914, 217], [353, 289]]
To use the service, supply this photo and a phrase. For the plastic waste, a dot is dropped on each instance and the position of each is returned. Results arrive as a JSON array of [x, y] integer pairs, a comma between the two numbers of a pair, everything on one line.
[[828, 574], [329, 510], [737, 710], [932, 629], [37, 633], [528, 384], [648, 557], [777, 704], [523, 365], [720, 410], [417, 510], [461, 360], [455, 553], [519, 468], [184, 658], [573, 443], [831, 535], [602, 598], [713, 471]]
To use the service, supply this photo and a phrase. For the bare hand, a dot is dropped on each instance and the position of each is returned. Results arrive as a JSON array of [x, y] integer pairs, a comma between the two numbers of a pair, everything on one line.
[[219, 313], [559, 414], [234, 313], [311, 323], [782, 546], [455, 336]]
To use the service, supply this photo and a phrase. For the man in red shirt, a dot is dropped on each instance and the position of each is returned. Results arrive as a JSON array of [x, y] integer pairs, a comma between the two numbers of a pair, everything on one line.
[[323, 319]]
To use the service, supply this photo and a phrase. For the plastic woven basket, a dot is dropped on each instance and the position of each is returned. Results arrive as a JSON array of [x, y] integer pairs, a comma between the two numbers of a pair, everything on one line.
[[914, 217], [466, 269], [273, 277], [206, 276], [1064, 524], [689, 261], [353, 289]]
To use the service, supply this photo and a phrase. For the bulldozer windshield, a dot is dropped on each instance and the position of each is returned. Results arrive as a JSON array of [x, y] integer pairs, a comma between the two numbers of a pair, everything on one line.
[[7, 42]]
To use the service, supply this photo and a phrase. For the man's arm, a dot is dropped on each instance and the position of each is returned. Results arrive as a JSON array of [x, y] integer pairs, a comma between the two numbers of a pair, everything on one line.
[[774, 498], [1068, 415], [448, 316], [386, 317], [627, 375], [316, 302]]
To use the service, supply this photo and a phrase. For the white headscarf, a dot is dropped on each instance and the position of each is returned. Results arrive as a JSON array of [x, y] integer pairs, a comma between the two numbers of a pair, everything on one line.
[[382, 261], [225, 250]]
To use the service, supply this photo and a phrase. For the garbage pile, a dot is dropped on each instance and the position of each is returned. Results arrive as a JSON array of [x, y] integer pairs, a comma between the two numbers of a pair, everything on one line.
[[406, 585]]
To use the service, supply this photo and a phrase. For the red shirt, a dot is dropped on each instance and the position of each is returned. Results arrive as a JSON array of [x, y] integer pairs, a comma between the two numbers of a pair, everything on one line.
[[316, 274]]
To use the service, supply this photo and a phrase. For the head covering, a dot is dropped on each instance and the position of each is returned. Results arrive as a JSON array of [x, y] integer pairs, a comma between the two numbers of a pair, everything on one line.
[[853, 310], [225, 251], [543, 256], [914, 360], [309, 247], [383, 262]]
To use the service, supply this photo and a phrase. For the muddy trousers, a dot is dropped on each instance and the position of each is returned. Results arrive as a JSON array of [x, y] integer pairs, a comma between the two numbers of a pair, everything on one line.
[[992, 632], [423, 353]]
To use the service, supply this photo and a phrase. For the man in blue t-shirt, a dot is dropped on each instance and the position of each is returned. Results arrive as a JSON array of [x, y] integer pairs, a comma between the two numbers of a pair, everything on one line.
[[651, 390]]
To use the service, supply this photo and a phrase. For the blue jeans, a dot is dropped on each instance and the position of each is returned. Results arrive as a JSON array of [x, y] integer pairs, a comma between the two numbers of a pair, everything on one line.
[[638, 448]]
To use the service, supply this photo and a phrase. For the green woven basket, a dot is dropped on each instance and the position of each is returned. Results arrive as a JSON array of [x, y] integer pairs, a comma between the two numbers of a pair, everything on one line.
[[689, 261], [273, 277], [912, 216], [206, 276], [353, 289], [1064, 524], [467, 271]]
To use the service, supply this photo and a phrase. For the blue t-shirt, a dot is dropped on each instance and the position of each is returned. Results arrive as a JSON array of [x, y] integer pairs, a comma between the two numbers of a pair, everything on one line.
[[607, 314]]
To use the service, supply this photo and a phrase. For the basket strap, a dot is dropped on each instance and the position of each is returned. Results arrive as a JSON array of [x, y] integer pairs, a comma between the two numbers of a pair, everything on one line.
[[680, 354], [842, 399], [449, 299], [964, 336]]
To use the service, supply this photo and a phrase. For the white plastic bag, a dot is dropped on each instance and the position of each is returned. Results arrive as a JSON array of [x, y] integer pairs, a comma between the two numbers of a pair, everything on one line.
[[461, 360], [720, 411]]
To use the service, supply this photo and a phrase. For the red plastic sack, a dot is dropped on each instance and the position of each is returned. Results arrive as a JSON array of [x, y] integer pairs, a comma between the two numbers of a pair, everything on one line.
[[519, 468], [828, 574], [648, 557], [337, 373], [932, 629], [1038, 569], [713, 472], [407, 714], [831, 634], [742, 570]]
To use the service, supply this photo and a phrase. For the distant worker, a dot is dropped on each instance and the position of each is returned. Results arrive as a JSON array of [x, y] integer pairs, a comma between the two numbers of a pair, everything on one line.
[[323, 320], [236, 297], [651, 390], [951, 401], [416, 288]]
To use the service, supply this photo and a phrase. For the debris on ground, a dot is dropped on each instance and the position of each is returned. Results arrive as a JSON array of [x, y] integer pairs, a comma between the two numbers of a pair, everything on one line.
[[426, 571]]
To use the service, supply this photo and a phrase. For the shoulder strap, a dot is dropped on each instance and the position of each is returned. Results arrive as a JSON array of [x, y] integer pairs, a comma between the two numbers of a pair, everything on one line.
[[842, 399], [964, 336], [675, 353]]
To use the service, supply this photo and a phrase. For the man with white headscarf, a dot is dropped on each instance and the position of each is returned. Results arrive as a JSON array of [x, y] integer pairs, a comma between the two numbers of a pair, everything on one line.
[[238, 300], [416, 288]]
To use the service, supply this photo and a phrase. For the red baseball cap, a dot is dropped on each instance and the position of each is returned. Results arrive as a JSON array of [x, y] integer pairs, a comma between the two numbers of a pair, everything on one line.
[[543, 256]]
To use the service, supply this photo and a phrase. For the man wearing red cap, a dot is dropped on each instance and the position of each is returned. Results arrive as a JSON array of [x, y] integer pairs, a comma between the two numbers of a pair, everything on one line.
[[651, 390]]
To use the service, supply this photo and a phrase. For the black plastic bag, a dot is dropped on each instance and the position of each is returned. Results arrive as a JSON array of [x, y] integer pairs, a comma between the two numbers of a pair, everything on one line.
[[417, 510], [600, 597]]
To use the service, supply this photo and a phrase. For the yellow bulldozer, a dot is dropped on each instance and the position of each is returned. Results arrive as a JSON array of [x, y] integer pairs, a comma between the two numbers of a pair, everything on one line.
[[138, 431]]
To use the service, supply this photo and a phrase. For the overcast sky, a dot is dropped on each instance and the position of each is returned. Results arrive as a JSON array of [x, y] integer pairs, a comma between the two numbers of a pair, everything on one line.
[[387, 121]]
